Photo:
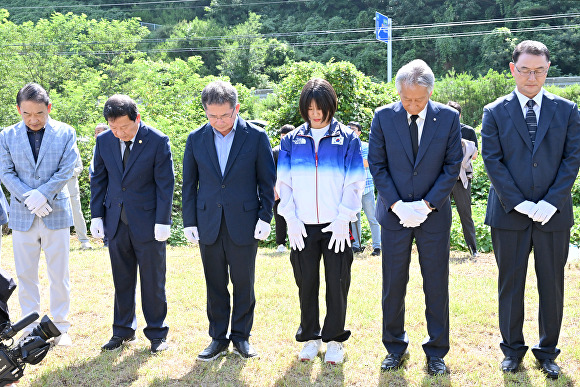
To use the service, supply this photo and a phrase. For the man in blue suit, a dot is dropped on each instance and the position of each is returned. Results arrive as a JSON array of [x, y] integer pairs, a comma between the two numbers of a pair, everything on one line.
[[228, 194], [131, 199], [414, 157], [531, 150], [37, 158]]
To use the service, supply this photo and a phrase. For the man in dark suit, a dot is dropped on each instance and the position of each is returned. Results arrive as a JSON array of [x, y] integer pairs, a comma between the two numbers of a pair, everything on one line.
[[228, 194], [131, 198], [531, 150], [414, 157]]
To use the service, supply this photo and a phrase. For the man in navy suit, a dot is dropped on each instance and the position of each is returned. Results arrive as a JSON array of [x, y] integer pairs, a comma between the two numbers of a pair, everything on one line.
[[228, 194], [531, 150], [414, 157], [131, 199]]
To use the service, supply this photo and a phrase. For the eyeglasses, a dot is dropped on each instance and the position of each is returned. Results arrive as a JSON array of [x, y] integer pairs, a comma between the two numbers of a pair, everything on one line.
[[527, 72], [223, 117]]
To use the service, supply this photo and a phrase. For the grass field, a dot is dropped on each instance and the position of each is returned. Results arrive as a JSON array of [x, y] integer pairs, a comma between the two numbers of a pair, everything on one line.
[[473, 359]]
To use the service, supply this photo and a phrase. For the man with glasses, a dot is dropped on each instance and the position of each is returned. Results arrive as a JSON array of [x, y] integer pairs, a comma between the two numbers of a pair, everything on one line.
[[228, 195], [531, 150]]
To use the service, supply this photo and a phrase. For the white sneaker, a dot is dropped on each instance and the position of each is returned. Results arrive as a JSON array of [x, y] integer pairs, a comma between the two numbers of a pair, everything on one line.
[[334, 353], [310, 350], [63, 340], [86, 246], [281, 249]]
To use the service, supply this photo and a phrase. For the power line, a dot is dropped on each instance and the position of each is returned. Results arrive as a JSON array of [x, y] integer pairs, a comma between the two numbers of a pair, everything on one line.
[[321, 43], [301, 33]]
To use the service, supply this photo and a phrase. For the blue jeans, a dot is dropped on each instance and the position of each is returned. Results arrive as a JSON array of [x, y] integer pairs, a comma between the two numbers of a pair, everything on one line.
[[368, 206]]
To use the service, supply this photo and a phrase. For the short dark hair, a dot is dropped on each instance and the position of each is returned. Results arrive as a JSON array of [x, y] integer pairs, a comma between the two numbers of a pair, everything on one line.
[[355, 123], [120, 105], [321, 92], [286, 129], [218, 93], [32, 92], [455, 105], [531, 47]]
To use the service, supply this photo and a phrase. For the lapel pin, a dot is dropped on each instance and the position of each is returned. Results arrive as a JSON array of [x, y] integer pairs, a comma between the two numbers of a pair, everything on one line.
[[434, 119], [140, 141]]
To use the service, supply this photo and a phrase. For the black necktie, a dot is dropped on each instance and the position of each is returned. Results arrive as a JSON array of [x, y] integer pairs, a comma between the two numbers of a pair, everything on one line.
[[414, 129], [531, 120], [126, 153]]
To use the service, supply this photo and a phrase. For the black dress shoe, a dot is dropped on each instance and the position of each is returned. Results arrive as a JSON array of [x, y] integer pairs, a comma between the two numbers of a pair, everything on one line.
[[376, 252], [357, 250], [511, 364], [214, 350], [436, 366], [244, 349], [116, 342], [158, 345], [394, 361], [550, 368]]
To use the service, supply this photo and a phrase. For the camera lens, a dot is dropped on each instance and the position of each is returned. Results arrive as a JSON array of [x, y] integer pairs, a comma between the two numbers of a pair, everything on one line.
[[46, 329]]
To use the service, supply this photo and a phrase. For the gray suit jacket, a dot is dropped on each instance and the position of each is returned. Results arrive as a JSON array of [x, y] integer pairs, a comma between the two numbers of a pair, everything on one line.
[[49, 174]]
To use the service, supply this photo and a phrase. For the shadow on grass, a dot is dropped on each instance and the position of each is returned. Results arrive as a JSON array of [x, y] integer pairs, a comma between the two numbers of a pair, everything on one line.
[[443, 380], [393, 378], [106, 369], [520, 378], [225, 370], [297, 373]]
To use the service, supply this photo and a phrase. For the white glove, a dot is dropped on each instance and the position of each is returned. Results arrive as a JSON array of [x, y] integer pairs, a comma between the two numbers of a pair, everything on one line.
[[340, 235], [191, 234], [162, 232], [42, 211], [296, 233], [408, 215], [97, 229], [262, 230], [525, 207], [542, 212], [421, 207], [34, 200]]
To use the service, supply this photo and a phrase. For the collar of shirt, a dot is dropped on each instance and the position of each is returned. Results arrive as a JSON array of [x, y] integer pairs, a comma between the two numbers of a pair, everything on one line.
[[420, 121], [523, 100], [219, 135], [28, 130], [132, 142]]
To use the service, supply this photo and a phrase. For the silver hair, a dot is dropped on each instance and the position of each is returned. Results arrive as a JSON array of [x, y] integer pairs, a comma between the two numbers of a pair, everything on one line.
[[218, 93], [416, 72]]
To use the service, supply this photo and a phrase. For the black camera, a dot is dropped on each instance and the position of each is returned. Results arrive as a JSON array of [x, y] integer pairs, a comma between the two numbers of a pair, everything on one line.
[[30, 350]]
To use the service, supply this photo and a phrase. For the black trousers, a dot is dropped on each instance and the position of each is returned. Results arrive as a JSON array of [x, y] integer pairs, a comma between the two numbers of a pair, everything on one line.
[[281, 228], [128, 255], [512, 250], [219, 260], [306, 265], [462, 197], [434, 260]]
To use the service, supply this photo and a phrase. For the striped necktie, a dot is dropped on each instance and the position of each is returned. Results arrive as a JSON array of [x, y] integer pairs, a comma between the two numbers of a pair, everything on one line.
[[531, 120]]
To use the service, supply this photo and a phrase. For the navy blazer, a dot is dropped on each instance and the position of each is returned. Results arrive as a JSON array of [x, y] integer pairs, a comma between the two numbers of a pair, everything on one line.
[[145, 188], [432, 175], [520, 172], [243, 194]]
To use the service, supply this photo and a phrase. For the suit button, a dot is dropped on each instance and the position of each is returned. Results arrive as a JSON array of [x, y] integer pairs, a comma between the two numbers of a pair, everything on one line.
[[120, 205], [410, 195], [37, 177], [124, 189], [535, 164], [219, 205], [223, 186], [415, 173]]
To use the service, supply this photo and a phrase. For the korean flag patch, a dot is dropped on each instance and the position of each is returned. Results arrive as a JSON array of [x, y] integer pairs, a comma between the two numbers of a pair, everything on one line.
[[338, 140]]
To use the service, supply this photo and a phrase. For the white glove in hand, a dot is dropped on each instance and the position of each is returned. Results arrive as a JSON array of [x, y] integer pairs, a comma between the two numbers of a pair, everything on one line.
[[42, 211], [525, 207], [340, 236], [542, 212], [421, 207], [191, 234], [262, 230], [408, 215], [296, 233], [97, 229], [162, 232], [34, 199]]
